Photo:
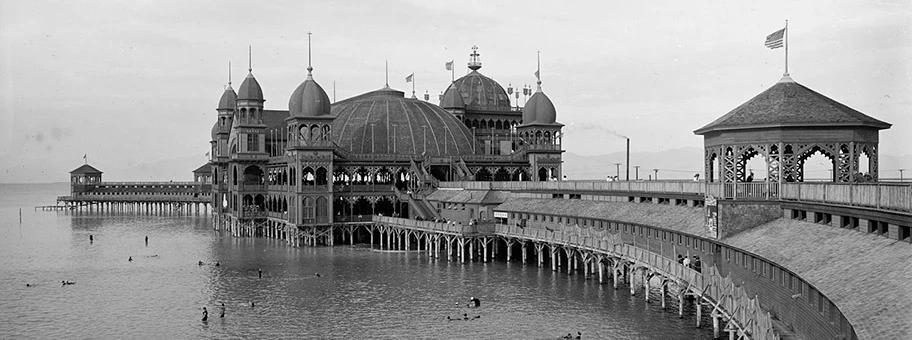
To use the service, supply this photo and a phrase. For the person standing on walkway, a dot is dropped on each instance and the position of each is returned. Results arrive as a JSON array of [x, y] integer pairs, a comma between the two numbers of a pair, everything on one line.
[[687, 262]]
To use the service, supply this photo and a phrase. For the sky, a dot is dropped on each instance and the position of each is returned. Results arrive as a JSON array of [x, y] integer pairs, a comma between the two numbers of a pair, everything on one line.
[[135, 82]]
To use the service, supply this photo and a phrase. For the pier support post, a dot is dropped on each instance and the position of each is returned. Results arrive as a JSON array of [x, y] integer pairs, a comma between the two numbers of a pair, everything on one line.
[[614, 272], [646, 285], [523, 252], [716, 330], [509, 249], [662, 292], [681, 304], [699, 312]]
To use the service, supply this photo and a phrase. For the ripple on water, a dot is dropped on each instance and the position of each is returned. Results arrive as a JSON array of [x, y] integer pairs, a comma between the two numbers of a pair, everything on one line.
[[359, 294]]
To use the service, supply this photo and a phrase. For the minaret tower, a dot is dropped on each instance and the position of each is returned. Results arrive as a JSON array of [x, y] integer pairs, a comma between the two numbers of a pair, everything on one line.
[[542, 134], [219, 151], [310, 152], [247, 151]]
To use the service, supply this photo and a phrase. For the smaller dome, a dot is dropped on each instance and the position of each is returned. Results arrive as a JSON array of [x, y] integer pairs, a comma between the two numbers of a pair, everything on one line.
[[309, 100], [215, 131], [250, 89], [228, 100], [452, 99], [539, 109]]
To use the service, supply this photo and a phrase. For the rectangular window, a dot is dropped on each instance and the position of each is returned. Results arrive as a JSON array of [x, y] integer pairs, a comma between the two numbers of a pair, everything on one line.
[[680, 239], [253, 143], [664, 236]]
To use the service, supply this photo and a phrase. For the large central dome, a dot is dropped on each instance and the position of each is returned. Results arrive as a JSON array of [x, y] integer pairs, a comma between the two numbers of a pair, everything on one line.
[[385, 122], [481, 93]]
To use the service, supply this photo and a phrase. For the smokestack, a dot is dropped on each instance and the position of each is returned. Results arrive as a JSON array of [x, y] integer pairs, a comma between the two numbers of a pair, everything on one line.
[[628, 159]]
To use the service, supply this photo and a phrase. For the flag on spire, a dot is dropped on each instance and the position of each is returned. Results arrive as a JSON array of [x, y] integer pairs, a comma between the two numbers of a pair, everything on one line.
[[774, 41], [410, 78], [449, 65], [536, 75]]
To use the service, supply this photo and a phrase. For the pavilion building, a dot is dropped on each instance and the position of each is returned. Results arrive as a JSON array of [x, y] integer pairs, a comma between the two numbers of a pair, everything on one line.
[[376, 153]]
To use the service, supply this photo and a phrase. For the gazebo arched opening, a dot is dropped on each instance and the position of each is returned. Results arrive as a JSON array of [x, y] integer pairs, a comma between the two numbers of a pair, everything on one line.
[[817, 165]]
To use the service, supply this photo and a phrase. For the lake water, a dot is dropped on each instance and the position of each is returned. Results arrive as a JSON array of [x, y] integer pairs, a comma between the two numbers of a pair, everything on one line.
[[360, 294]]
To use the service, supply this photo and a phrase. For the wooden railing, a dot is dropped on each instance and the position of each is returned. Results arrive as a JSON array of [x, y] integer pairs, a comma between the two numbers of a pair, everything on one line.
[[886, 196], [439, 227], [896, 197]]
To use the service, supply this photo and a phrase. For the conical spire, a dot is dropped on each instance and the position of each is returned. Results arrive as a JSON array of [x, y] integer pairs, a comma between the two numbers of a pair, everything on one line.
[[309, 65]]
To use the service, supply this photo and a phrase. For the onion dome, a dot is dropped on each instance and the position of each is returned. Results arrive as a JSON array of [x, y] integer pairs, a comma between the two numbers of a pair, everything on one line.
[[385, 122], [250, 89], [539, 109], [309, 100], [452, 99], [228, 100], [790, 104]]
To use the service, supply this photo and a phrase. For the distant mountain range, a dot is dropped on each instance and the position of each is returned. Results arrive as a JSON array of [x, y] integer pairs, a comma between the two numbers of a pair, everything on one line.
[[680, 163]]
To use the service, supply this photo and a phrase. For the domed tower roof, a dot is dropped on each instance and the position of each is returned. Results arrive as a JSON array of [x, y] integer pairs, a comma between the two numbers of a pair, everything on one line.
[[452, 99], [250, 89], [541, 108], [228, 100], [482, 93], [790, 104], [385, 122], [309, 100]]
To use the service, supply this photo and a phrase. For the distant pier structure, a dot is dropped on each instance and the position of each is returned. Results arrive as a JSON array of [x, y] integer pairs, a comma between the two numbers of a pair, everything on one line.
[[89, 193]]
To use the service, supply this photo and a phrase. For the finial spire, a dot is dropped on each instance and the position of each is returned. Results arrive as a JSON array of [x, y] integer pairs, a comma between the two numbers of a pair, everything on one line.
[[309, 65], [474, 61], [538, 71], [387, 74], [250, 58]]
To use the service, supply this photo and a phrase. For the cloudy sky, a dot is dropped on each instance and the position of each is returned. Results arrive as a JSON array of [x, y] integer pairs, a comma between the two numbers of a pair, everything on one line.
[[134, 82]]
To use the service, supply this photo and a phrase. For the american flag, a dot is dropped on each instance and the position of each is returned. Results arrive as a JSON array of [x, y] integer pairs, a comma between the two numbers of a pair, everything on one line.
[[774, 41]]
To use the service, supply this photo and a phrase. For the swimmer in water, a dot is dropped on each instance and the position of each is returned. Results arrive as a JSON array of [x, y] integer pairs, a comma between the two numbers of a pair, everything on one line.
[[216, 264], [252, 304], [200, 263], [91, 239], [465, 316], [130, 259], [318, 274], [475, 301], [260, 271], [222, 314], [147, 241], [205, 314], [28, 284]]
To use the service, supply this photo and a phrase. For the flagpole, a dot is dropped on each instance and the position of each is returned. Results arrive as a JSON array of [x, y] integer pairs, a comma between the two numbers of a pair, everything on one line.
[[413, 85], [786, 48]]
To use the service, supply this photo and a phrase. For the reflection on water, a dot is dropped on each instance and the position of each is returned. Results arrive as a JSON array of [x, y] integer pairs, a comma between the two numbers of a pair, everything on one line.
[[359, 293]]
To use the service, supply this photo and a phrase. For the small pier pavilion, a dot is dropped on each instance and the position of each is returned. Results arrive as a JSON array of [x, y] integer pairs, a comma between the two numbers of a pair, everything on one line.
[[89, 193]]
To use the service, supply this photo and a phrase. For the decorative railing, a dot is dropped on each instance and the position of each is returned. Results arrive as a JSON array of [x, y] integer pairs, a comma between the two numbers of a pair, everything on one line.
[[440, 227]]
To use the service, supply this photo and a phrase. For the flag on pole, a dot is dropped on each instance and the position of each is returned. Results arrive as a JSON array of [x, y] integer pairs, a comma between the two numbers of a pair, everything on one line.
[[410, 78], [774, 41], [207, 153], [536, 75], [449, 65]]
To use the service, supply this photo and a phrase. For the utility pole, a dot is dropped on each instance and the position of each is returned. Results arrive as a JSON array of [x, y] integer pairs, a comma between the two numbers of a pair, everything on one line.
[[657, 173], [618, 169], [637, 167]]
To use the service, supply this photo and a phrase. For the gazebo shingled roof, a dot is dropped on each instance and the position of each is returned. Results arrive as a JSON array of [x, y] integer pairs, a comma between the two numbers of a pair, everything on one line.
[[790, 104], [86, 169], [204, 169]]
